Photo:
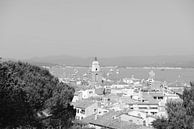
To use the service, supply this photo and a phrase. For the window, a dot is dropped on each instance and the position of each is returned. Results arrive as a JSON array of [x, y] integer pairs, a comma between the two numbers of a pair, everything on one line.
[[160, 97], [153, 113], [153, 107], [90, 92], [144, 123], [77, 110], [82, 111], [105, 111], [143, 108]]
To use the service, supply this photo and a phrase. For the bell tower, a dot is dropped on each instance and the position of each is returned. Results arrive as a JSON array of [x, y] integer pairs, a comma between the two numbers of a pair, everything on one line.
[[151, 77], [95, 65], [96, 71]]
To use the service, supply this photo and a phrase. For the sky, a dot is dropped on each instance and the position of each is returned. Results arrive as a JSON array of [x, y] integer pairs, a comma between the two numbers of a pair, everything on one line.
[[104, 28]]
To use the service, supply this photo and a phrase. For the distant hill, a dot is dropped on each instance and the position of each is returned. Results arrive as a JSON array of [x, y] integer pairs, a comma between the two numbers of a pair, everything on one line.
[[129, 61], [61, 60]]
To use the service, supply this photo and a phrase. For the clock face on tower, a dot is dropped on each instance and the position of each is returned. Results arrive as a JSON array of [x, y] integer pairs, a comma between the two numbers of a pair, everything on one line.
[[95, 65]]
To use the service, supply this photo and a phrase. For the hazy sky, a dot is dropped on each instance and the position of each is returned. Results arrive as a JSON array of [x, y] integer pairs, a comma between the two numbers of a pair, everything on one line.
[[106, 28]]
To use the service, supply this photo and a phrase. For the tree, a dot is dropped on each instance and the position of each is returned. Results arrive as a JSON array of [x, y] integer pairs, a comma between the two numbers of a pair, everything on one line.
[[161, 123], [177, 117], [192, 83], [180, 114], [26, 91]]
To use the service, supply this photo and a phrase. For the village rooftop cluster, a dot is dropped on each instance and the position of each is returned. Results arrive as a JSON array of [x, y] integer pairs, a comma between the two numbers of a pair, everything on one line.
[[101, 102]]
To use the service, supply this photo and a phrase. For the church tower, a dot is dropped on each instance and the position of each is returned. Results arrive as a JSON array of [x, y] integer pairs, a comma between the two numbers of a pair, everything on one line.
[[96, 76], [95, 65], [151, 78]]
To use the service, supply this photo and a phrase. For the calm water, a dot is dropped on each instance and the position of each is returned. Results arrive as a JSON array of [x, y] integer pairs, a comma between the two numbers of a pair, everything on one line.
[[169, 75]]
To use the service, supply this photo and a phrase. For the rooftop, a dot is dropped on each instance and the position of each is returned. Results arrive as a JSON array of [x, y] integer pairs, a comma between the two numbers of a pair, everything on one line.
[[109, 120], [148, 100], [156, 85], [177, 84], [156, 94], [132, 115], [83, 104], [127, 100]]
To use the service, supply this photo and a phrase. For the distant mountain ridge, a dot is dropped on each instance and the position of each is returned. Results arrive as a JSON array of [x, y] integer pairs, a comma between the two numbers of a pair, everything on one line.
[[128, 61]]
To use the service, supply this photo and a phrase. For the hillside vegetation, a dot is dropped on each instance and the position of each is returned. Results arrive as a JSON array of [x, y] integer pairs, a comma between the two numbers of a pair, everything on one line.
[[30, 97]]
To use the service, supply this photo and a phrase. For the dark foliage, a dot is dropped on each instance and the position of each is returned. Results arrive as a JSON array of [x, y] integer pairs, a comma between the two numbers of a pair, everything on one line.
[[160, 123], [180, 114], [192, 83], [26, 90]]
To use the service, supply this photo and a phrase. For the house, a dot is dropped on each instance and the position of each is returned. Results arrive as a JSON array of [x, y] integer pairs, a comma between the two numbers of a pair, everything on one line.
[[131, 80], [135, 117], [115, 91], [127, 91], [177, 87], [119, 86], [127, 100], [85, 108], [75, 98], [147, 104], [113, 98], [109, 120], [87, 93], [141, 114], [137, 95], [157, 95], [119, 106], [100, 91], [156, 86], [138, 118], [171, 97], [101, 111], [132, 119]]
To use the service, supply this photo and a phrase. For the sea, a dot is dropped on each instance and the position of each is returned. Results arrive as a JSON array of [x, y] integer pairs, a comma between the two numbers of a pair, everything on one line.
[[161, 74]]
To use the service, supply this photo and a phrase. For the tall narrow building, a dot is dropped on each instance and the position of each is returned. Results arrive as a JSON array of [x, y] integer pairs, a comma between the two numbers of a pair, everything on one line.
[[95, 65], [96, 76], [151, 78]]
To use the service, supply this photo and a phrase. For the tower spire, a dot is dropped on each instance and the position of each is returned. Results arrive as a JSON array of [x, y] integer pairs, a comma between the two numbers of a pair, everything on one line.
[[95, 58]]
